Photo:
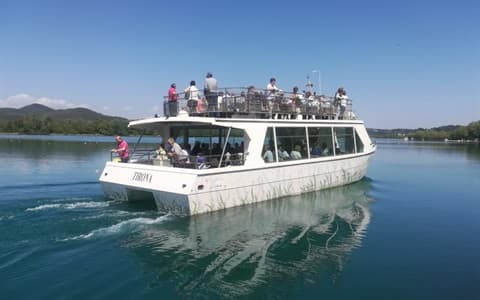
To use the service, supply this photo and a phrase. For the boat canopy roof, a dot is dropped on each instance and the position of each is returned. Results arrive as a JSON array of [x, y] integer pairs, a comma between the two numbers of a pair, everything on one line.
[[159, 122]]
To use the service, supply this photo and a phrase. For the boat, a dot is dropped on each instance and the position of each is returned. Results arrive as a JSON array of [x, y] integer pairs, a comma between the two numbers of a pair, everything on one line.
[[251, 146]]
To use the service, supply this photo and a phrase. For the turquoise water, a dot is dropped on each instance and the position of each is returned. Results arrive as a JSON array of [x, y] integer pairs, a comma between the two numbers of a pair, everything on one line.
[[409, 230]]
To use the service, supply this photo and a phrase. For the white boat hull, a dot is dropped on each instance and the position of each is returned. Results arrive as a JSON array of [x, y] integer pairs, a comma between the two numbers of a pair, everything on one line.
[[190, 192]]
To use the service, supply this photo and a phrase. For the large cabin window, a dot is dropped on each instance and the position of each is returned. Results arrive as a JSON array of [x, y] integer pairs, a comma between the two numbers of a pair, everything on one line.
[[268, 152], [206, 144], [344, 142], [291, 143], [320, 141]]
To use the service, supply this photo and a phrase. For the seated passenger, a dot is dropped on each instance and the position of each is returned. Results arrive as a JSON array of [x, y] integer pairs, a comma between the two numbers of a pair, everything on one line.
[[175, 151], [283, 154], [316, 150], [161, 153], [268, 155], [325, 150], [196, 148], [295, 154], [202, 161]]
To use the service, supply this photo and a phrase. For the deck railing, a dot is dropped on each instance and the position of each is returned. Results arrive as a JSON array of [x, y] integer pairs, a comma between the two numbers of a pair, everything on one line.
[[255, 103], [151, 157]]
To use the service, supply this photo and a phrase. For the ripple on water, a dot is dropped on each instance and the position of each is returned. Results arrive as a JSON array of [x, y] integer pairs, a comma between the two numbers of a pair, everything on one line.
[[127, 226], [75, 205]]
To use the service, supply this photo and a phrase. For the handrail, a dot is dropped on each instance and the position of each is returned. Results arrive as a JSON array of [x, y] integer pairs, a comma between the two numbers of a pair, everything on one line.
[[259, 103]]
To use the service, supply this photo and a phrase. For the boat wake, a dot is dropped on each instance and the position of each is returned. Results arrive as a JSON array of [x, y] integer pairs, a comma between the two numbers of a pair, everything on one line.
[[127, 226], [75, 205]]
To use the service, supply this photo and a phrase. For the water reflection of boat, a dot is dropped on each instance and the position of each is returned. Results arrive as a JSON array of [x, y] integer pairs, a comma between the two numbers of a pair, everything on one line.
[[295, 238]]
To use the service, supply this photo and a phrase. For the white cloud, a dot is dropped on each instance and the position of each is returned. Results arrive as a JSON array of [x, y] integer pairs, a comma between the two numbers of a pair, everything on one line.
[[23, 99], [17, 101]]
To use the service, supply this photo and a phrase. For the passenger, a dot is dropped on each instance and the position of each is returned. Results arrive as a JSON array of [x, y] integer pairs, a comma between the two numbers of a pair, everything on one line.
[[216, 150], [228, 147], [122, 149], [272, 87], [340, 102], [316, 150], [268, 155], [161, 153], [204, 148], [202, 161], [272, 90], [210, 92], [283, 154], [187, 148], [175, 152], [196, 148], [235, 148], [192, 95], [202, 105], [325, 150], [296, 100], [172, 100], [295, 154]]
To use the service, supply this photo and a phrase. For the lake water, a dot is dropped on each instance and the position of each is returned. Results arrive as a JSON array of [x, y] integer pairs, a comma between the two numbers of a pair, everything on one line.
[[409, 230]]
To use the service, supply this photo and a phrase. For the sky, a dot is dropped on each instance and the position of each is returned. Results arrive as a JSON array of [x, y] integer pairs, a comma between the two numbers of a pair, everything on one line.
[[405, 64]]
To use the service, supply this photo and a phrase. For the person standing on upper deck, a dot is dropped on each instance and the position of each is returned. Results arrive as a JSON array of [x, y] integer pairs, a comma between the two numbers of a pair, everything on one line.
[[271, 91], [172, 100], [272, 88], [122, 149], [191, 94], [210, 87], [341, 102]]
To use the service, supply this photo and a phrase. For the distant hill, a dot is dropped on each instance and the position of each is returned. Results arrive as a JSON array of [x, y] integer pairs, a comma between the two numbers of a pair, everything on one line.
[[39, 111], [40, 119]]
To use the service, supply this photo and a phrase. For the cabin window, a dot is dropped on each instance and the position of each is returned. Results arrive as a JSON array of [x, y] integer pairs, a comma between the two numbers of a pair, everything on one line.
[[343, 138], [291, 143], [359, 143], [320, 141], [207, 143], [268, 152]]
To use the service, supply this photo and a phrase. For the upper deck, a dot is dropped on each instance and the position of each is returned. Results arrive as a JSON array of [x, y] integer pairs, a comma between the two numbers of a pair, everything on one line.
[[254, 103]]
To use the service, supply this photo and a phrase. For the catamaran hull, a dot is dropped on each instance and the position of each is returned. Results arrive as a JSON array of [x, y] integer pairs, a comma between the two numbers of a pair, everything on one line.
[[216, 189]]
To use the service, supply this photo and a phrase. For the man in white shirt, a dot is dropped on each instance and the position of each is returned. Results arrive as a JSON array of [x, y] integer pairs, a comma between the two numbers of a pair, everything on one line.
[[175, 152], [272, 88]]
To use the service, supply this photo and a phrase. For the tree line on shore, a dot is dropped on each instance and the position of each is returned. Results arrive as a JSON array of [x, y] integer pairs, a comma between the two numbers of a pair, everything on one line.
[[470, 132]]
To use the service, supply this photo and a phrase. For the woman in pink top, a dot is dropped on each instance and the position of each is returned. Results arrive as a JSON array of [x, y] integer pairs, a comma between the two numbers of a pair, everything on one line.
[[172, 93], [122, 149], [172, 100]]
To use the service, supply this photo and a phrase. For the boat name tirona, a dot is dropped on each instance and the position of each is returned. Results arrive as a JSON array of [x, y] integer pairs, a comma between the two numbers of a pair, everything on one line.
[[142, 177]]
